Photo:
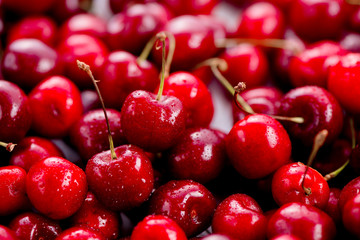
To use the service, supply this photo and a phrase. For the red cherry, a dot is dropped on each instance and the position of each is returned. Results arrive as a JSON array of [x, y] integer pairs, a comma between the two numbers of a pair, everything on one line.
[[80, 233], [7, 234], [288, 186], [64, 9], [34, 226], [193, 7], [31, 150], [285, 237], [57, 101], [27, 7], [241, 217], [84, 48], [332, 207], [56, 187], [117, 5], [188, 203], [351, 216], [122, 183], [216, 236], [157, 227], [302, 221], [28, 61], [15, 117], [12, 190], [257, 146], [350, 41], [349, 191], [354, 19]]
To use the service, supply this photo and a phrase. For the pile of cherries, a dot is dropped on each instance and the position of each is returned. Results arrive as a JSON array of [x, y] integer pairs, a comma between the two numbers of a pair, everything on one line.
[[106, 122]]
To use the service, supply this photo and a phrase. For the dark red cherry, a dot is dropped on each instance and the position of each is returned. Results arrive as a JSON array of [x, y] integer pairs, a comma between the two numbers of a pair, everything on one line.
[[28, 61], [355, 158], [319, 109], [31, 150], [122, 183], [350, 190], [117, 5], [33, 226], [39, 27], [350, 41], [193, 7], [332, 208], [15, 117], [199, 155], [56, 187], [351, 215], [56, 106], [186, 202], [288, 185], [64, 9], [84, 48], [12, 190], [354, 18], [157, 227], [80, 233], [194, 95], [7, 234], [258, 145], [27, 7], [152, 124], [93, 215], [240, 217], [302, 221], [122, 74]]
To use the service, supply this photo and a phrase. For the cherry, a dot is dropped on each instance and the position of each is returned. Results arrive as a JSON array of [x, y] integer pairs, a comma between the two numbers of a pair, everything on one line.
[[354, 19], [28, 61], [240, 216], [318, 107], [350, 215], [7, 234], [31, 150], [342, 81], [257, 145], [332, 208], [15, 117], [217, 236], [285, 237], [117, 5], [350, 190], [157, 227], [25, 7], [93, 215], [192, 7], [302, 221], [30, 225], [57, 101], [39, 27], [64, 9], [199, 155], [350, 41], [84, 48], [188, 203], [12, 190], [56, 187], [80, 233]]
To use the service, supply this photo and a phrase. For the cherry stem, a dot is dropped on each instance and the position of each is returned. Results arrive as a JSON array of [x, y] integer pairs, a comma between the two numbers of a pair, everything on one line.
[[83, 66], [9, 146], [161, 37], [319, 141]]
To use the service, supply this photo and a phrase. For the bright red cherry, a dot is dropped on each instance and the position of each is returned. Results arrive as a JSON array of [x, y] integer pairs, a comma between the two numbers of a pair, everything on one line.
[[31, 150], [7, 234], [122, 183], [15, 117], [193, 7], [28, 61], [56, 187], [241, 217], [186, 202], [333, 208], [303, 221], [30, 225], [157, 227], [12, 189], [351, 215], [80, 233], [349, 191], [27, 7], [285, 237], [56, 106], [257, 146]]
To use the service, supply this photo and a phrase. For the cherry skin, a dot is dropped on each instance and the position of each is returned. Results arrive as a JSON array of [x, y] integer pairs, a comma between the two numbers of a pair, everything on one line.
[[350, 41], [117, 6], [24, 7], [31, 150], [217, 236], [285, 237], [122, 74], [85, 48], [89, 133], [80, 233], [15, 114], [57, 101], [122, 183], [28, 61], [186, 202], [152, 124], [349, 191], [92, 214], [157, 227], [199, 155], [194, 95], [31, 226], [351, 216], [12, 190], [7, 234], [319, 109], [61, 10], [303, 221], [333, 208], [287, 186], [193, 7], [56, 187], [240, 216], [343, 83], [257, 145]]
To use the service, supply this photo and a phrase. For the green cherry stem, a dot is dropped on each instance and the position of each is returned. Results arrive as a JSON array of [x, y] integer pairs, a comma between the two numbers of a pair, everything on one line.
[[86, 68], [9, 146], [161, 37]]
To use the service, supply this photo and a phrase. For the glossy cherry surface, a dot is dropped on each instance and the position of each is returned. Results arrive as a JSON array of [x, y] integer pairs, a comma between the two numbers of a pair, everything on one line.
[[349, 191], [333, 208], [193, 7], [61, 10], [217, 236], [7, 234], [241, 217], [186, 202], [56, 187], [24, 7], [257, 146], [351, 215], [285, 237], [80, 233]]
